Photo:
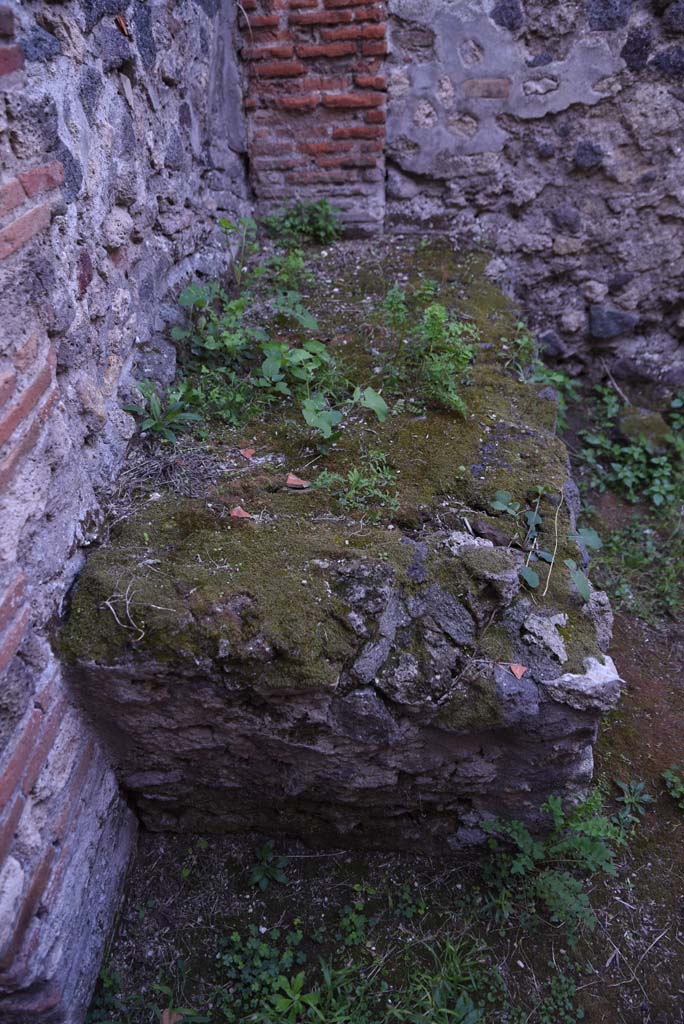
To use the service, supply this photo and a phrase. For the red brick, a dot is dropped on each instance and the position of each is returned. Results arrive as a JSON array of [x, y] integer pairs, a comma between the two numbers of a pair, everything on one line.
[[314, 148], [298, 102], [355, 32], [349, 3], [11, 600], [49, 692], [487, 88], [9, 780], [321, 18], [26, 353], [272, 147], [375, 48], [30, 1006], [9, 642], [8, 826], [376, 146], [326, 50], [6, 21], [376, 117], [350, 160], [23, 229], [23, 960], [43, 748], [11, 196], [27, 400], [268, 52], [371, 82], [297, 4], [9, 465], [367, 67], [268, 36], [249, 5], [372, 13], [28, 908], [360, 131], [76, 799], [328, 177], [8, 380], [74, 790], [278, 69], [263, 21], [275, 163], [325, 83], [43, 178], [353, 100], [12, 58]]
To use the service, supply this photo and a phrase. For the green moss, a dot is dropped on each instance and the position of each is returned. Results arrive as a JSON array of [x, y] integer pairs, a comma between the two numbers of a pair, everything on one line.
[[485, 563], [475, 706], [181, 581], [497, 645], [253, 594]]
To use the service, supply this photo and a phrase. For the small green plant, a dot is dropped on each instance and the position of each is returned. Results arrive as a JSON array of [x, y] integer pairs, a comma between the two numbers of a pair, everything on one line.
[[268, 868], [634, 799], [520, 351], [288, 270], [243, 235], [447, 355], [567, 388], [314, 222], [642, 566], [579, 578], [407, 904], [249, 969], [636, 469], [426, 291], [286, 368], [355, 921], [536, 876], [192, 857], [673, 778], [395, 311], [503, 502], [171, 1011], [367, 488], [164, 418], [290, 1003], [348, 997], [215, 331], [529, 539], [107, 1003], [442, 991], [557, 1005]]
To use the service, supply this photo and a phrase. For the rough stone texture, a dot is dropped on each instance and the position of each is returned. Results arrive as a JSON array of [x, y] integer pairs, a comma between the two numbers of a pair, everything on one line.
[[502, 114], [98, 225], [310, 674], [396, 728]]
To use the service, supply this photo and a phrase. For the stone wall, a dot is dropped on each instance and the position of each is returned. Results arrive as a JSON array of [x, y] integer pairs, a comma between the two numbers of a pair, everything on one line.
[[122, 140], [550, 132], [553, 133]]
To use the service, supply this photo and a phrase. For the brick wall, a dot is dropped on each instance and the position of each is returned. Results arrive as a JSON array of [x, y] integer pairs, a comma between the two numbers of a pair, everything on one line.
[[121, 141], [316, 104]]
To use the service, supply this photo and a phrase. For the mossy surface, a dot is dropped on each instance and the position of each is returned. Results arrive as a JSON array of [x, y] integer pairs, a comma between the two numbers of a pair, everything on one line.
[[181, 581]]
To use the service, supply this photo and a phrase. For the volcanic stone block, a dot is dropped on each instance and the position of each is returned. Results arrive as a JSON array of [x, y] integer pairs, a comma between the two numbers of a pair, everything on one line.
[[290, 681]]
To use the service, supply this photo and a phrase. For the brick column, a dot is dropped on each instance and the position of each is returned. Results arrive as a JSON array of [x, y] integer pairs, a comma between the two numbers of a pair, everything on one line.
[[65, 833], [316, 104]]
